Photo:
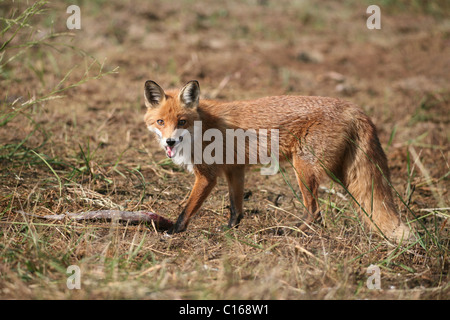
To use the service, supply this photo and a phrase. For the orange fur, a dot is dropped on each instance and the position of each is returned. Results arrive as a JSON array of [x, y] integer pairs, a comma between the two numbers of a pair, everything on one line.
[[320, 136]]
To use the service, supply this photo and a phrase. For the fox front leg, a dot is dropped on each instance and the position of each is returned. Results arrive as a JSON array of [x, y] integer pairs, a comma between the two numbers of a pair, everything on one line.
[[235, 179], [202, 188]]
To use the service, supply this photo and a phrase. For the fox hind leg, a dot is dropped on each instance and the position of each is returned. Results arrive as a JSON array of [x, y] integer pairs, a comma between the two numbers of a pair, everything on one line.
[[308, 180]]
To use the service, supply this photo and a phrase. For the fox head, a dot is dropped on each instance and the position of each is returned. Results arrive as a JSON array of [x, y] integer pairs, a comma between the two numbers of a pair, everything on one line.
[[171, 115]]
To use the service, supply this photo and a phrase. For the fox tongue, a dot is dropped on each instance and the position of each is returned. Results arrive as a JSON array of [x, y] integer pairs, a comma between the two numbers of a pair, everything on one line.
[[169, 151]]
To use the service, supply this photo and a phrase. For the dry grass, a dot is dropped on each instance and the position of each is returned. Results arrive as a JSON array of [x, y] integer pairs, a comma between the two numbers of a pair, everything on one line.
[[90, 150]]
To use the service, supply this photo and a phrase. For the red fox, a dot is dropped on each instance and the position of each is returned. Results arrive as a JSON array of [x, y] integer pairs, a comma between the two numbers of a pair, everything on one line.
[[319, 136]]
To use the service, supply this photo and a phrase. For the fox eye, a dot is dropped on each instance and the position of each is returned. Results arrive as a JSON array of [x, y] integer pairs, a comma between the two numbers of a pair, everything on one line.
[[160, 122], [181, 123]]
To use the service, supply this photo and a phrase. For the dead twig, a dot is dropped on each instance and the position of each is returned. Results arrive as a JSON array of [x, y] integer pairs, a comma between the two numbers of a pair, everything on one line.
[[159, 222]]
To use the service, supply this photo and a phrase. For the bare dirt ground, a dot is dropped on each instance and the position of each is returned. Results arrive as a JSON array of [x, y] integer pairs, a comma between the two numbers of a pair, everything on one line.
[[90, 149]]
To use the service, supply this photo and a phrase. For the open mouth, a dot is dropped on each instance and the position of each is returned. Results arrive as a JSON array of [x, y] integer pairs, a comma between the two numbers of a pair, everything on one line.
[[170, 151]]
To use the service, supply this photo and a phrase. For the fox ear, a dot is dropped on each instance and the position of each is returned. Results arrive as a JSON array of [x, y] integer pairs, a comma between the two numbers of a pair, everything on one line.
[[189, 94], [154, 94]]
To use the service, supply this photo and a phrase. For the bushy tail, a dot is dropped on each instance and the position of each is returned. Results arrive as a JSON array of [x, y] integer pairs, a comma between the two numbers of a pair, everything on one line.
[[367, 179]]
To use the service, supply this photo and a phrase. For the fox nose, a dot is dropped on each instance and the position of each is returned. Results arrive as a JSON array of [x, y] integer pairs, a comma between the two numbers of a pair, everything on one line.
[[170, 142]]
